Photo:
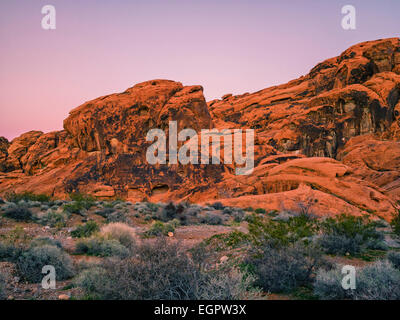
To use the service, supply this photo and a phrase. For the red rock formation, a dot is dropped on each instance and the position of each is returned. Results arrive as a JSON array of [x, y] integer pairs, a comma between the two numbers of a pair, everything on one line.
[[330, 136]]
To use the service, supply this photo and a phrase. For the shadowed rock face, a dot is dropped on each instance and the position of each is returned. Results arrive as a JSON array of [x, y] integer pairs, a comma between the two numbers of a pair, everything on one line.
[[331, 136]]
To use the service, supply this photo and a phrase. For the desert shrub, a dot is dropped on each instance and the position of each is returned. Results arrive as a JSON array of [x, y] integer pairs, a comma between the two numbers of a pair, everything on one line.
[[158, 228], [31, 262], [17, 237], [236, 213], [231, 285], [238, 216], [45, 241], [123, 233], [27, 196], [172, 211], [378, 281], [226, 241], [105, 212], [283, 269], [118, 216], [159, 271], [101, 247], [328, 285], [85, 200], [395, 223], [192, 211], [19, 213], [85, 230], [9, 252], [79, 204], [260, 211], [349, 234], [217, 206], [152, 206], [74, 207], [54, 219], [211, 219], [2, 287], [340, 244], [394, 258], [299, 227]]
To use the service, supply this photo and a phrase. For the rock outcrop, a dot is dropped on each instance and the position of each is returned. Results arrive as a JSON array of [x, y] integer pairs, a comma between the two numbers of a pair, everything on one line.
[[330, 138]]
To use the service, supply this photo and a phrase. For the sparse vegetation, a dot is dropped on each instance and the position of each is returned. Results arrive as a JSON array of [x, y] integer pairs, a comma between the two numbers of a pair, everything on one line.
[[280, 252], [26, 196], [160, 271]]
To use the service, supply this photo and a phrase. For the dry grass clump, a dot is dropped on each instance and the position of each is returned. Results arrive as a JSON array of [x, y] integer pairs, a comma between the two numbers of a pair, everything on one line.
[[121, 232]]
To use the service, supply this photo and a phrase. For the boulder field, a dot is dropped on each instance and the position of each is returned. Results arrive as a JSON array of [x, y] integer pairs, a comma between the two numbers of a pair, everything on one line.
[[328, 141]]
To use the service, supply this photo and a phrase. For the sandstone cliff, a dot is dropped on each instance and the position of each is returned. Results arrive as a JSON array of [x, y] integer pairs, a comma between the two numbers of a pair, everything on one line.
[[330, 138]]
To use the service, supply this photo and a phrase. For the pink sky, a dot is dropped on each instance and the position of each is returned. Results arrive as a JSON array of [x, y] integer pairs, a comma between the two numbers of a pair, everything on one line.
[[101, 47]]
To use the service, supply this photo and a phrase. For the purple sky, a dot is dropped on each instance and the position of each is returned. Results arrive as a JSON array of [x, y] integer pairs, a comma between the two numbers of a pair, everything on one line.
[[101, 47]]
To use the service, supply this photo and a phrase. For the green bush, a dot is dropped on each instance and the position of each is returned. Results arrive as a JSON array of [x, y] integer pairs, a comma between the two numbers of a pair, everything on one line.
[[160, 271], [80, 203], [31, 262], [27, 196], [378, 281], [74, 207], [19, 213], [158, 228], [263, 230], [85, 230], [349, 234], [101, 247], [54, 219]]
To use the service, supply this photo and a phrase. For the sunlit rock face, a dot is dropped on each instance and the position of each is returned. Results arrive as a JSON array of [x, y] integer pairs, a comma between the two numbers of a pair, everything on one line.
[[331, 136]]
